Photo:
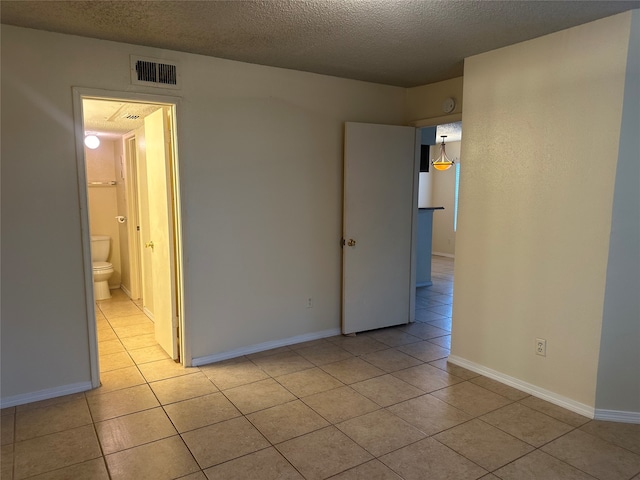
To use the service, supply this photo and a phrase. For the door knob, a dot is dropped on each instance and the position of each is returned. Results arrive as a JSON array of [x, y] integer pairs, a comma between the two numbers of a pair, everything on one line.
[[149, 245], [351, 242]]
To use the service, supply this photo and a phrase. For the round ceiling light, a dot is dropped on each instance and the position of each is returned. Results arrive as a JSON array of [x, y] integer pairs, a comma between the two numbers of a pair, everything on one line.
[[92, 142]]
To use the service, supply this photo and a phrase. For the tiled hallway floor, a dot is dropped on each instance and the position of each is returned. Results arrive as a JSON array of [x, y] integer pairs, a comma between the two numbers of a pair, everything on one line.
[[381, 405]]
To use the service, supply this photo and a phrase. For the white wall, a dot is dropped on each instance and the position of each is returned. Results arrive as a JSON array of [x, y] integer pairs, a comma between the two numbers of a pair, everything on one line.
[[425, 102], [261, 169], [424, 189], [536, 197], [618, 376], [443, 194]]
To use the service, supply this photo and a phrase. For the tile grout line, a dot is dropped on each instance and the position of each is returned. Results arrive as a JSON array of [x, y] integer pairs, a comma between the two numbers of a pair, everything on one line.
[[418, 339], [331, 424], [160, 405]]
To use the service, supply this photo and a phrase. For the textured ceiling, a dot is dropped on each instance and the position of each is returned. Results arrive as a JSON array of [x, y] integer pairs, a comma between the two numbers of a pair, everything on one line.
[[452, 131], [114, 118], [396, 42]]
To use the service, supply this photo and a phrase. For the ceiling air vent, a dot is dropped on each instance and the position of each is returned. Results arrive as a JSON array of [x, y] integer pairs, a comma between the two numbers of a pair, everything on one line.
[[154, 72]]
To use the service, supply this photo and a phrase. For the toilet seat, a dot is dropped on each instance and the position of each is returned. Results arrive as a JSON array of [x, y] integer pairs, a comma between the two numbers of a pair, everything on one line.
[[97, 266]]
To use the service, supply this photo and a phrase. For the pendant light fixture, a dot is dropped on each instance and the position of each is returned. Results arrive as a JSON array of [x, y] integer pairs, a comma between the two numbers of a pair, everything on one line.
[[442, 162]]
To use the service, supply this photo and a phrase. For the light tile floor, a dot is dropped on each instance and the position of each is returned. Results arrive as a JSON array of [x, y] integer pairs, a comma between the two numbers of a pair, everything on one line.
[[381, 405]]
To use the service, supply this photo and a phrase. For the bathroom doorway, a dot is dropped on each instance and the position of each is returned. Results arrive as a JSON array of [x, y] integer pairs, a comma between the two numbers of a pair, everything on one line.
[[138, 135]]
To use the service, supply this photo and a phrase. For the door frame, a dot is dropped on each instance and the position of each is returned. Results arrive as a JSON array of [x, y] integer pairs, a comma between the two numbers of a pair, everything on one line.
[[434, 121], [78, 94]]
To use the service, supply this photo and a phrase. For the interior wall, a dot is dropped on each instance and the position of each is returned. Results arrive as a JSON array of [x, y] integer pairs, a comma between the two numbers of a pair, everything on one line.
[[260, 153], [103, 201], [620, 343], [536, 195], [425, 102], [443, 193], [424, 189], [428, 136]]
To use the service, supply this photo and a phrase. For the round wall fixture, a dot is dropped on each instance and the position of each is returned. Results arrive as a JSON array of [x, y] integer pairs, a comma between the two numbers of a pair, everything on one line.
[[448, 105]]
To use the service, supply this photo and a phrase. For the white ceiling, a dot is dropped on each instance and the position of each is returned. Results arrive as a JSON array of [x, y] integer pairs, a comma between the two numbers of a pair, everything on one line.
[[114, 118], [397, 42]]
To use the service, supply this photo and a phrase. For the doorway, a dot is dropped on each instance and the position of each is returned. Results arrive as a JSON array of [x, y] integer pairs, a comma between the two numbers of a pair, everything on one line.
[[381, 182], [139, 134], [438, 188]]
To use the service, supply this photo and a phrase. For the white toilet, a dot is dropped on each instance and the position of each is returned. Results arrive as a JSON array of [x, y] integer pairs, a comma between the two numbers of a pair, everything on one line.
[[102, 269]]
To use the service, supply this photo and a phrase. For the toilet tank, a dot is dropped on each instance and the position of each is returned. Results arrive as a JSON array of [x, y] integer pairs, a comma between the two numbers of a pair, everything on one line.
[[100, 248]]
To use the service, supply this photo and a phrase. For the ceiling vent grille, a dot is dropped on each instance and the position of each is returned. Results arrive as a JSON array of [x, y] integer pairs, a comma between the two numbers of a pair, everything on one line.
[[153, 72]]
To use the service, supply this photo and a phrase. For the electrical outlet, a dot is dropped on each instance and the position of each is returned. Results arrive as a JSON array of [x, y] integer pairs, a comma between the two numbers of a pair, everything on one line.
[[309, 302], [541, 347]]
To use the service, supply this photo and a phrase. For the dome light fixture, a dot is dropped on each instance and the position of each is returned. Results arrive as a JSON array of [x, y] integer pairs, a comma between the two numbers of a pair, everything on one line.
[[442, 162], [92, 142]]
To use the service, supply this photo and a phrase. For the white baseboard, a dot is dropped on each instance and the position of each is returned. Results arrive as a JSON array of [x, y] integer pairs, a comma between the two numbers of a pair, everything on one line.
[[440, 254], [125, 290], [617, 416], [45, 394], [148, 313], [261, 347], [529, 388]]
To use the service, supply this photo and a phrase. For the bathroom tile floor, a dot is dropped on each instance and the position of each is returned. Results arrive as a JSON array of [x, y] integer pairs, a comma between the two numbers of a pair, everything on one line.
[[381, 405]]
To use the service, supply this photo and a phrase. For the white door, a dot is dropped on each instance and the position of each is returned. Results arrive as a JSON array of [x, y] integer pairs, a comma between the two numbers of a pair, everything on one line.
[[380, 206], [158, 158], [133, 215], [146, 273]]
